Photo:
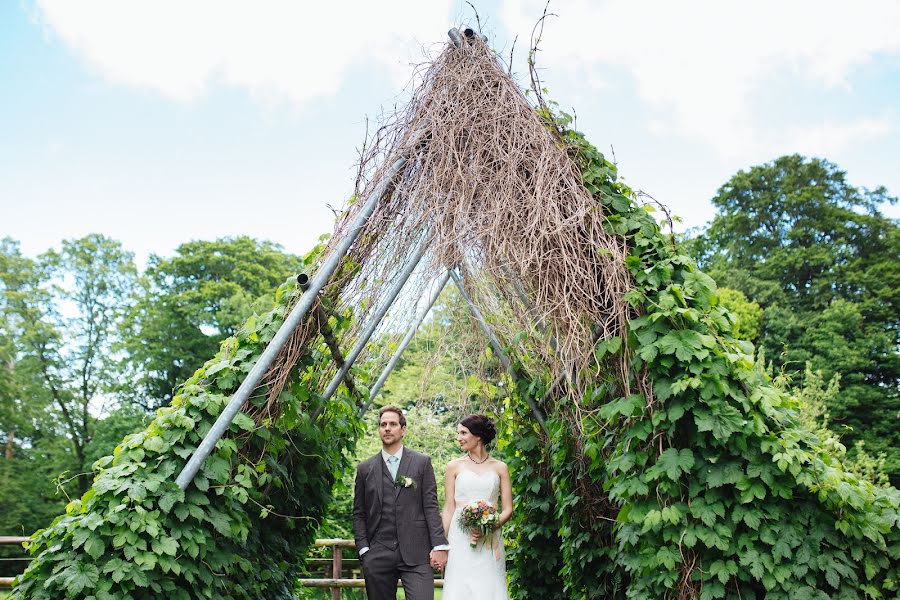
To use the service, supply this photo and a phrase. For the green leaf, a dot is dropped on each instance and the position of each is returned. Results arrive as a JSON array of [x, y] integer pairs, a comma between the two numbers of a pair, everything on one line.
[[651, 520], [219, 521], [673, 463], [165, 545], [754, 561], [80, 577], [94, 546], [720, 474], [216, 468], [627, 406], [244, 422], [608, 346], [751, 489], [117, 568], [722, 420], [723, 569], [170, 498], [155, 444], [137, 491], [79, 537]]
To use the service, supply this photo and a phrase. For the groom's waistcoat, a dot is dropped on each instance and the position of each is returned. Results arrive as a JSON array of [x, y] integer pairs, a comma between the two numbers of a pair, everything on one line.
[[405, 518], [386, 533]]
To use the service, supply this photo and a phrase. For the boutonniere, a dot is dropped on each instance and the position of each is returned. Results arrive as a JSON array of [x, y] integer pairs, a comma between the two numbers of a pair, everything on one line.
[[404, 482]]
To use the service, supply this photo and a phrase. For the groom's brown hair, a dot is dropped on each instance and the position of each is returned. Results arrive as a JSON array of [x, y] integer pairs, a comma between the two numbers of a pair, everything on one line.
[[395, 409]]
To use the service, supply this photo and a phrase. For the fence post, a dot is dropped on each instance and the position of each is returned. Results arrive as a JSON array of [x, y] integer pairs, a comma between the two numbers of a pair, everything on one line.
[[337, 557]]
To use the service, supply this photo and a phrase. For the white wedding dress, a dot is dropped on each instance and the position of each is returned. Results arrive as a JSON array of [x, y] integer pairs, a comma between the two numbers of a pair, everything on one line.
[[475, 573]]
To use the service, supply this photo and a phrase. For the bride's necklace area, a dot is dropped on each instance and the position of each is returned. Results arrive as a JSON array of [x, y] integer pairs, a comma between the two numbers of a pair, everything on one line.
[[478, 462]]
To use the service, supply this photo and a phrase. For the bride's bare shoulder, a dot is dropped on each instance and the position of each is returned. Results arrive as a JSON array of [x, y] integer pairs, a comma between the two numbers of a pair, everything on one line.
[[499, 466], [454, 465]]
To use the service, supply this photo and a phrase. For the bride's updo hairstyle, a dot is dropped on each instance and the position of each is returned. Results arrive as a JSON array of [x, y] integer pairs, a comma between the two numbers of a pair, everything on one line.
[[480, 426]]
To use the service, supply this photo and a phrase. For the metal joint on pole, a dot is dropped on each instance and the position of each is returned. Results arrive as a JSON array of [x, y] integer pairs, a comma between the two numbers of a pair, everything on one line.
[[284, 332], [495, 344], [470, 34], [456, 37], [411, 332], [375, 320]]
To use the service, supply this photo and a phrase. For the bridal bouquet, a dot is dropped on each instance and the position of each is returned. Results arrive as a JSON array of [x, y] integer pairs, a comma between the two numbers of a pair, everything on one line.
[[481, 515]]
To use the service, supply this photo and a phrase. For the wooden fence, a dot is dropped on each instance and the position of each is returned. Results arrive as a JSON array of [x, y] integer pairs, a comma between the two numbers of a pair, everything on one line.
[[11, 565], [339, 566]]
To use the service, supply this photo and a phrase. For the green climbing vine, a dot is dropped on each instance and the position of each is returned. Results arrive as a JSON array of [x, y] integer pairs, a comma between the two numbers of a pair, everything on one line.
[[242, 528], [716, 490], [533, 542]]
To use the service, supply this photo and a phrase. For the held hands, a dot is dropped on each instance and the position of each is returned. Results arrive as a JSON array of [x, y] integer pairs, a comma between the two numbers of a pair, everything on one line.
[[475, 536], [438, 559]]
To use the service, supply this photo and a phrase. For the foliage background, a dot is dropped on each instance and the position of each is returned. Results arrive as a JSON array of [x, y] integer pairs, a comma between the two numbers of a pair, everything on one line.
[[90, 348]]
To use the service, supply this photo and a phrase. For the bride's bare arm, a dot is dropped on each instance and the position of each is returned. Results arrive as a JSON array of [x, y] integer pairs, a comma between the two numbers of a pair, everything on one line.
[[505, 494], [449, 497]]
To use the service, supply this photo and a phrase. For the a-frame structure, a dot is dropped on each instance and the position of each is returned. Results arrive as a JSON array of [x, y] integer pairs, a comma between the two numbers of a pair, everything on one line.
[[652, 459]]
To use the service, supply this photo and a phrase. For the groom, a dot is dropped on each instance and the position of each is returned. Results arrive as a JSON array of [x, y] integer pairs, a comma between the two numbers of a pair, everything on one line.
[[396, 522]]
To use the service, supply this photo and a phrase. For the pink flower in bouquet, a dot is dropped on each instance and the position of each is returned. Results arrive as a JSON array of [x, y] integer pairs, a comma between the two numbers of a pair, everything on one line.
[[479, 515]]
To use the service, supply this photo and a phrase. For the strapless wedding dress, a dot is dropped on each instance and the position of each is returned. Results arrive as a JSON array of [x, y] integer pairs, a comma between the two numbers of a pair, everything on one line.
[[475, 573]]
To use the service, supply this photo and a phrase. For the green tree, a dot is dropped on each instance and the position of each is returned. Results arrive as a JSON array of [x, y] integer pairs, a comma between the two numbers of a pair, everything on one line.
[[22, 397], [64, 311], [35, 450], [192, 301], [59, 315], [92, 280], [820, 258], [747, 313]]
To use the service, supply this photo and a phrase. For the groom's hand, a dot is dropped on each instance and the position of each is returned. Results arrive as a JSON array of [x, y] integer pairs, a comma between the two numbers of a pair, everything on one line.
[[438, 559]]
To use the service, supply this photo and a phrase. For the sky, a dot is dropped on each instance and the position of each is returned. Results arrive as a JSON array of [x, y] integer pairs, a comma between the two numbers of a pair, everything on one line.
[[159, 122]]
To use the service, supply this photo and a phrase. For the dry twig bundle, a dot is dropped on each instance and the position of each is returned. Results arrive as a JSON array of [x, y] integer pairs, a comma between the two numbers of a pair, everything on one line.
[[503, 198], [494, 191]]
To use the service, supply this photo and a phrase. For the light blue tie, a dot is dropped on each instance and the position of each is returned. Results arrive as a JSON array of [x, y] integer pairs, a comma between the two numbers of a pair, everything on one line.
[[393, 464]]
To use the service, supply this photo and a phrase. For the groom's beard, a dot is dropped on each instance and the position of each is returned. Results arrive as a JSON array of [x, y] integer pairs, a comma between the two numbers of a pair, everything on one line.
[[394, 439]]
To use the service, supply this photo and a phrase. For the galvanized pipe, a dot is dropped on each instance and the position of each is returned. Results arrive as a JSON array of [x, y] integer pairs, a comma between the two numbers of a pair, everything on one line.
[[456, 37], [328, 336], [495, 344], [529, 307], [441, 283], [375, 320], [284, 332]]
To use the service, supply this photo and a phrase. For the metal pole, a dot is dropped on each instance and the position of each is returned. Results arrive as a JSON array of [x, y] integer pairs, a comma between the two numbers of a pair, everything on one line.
[[284, 332], [526, 302], [456, 37], [328, 336], [375, 321], [495, 344], [441, 283]]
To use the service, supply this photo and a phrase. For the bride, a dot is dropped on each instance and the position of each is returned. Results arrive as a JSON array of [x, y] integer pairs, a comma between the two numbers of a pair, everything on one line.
[[476, 567]]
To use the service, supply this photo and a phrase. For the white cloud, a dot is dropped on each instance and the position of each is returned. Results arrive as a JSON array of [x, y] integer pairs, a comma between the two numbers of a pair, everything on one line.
[[276, 49], [829, 138], [702, 62]]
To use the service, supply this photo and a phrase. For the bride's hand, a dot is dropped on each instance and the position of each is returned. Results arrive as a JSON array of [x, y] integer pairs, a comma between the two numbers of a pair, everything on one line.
[[476, 536]]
